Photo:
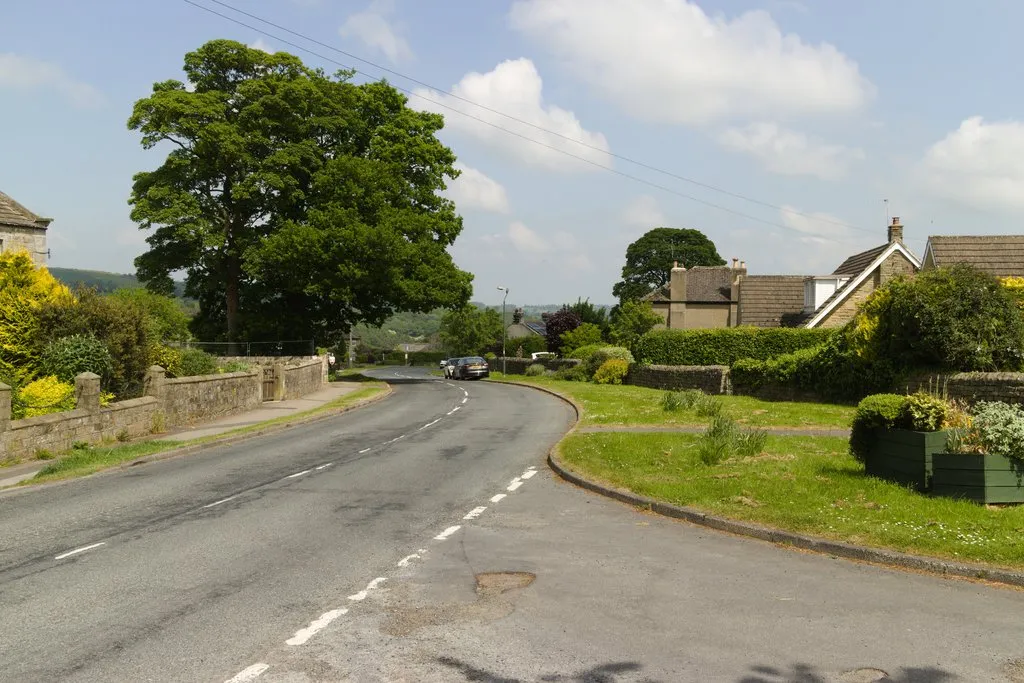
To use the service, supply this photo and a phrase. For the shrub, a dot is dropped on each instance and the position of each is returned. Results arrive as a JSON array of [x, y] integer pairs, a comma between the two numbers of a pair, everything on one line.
[[612, 371], [584, 353], [686, 399], [24, 288], [880, 411], [166, 319], [535, 370], [723, 439], [234, 366], [67, 357], [923, 412], [723, 346], [196, 362], [558, 323], [524, 347], [584, 335], [168, 358], [632, 320], [575, 373], [997, 427], [603, 354], [707, 406], [46, 395]]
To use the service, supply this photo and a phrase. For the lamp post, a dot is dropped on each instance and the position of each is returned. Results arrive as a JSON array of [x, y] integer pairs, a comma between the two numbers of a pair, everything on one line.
[[504, 328]]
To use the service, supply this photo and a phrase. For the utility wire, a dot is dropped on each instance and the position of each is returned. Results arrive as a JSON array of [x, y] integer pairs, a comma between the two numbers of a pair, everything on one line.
[[595, 148], [591, 162]]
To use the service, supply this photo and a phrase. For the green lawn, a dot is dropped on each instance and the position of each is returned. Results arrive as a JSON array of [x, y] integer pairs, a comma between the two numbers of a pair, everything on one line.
[[802, 484], [629, 405], [85, 461]]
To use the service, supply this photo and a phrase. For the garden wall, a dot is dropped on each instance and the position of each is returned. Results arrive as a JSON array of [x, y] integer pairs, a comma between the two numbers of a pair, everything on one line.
[[187, 400], [304, 378], [970, 386], [517, 366], [711, 379]]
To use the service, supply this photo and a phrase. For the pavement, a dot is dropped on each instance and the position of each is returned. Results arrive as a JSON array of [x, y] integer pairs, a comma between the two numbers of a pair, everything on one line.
[[14, 474], [423, 539]]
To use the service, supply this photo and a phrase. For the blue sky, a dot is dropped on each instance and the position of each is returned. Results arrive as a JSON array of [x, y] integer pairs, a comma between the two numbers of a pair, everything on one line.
[[817, 110]]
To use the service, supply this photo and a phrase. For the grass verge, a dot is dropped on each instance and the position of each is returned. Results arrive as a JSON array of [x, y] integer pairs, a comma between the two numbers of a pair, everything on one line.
[[81, 462], [802, 484], [605, 404]]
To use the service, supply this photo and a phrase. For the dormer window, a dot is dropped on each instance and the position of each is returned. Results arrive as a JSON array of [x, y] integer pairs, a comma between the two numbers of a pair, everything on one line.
[[817, 290]]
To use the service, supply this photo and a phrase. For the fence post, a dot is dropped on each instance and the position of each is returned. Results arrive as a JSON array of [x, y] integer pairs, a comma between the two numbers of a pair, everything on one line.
[[87, 392]]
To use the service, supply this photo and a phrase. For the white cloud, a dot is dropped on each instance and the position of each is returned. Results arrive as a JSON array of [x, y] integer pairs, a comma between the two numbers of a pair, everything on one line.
[[979, 164], [643, 213], [262, 45], [788, 152], [526, 240], [814, 227], [692, 68], [515, 88], [373, 27], [820, 243], [474, 190], [25, 73]]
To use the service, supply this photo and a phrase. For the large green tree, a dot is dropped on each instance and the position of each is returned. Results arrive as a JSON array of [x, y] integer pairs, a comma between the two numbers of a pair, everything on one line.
[[296, 203], [470, 329], [650, 258]]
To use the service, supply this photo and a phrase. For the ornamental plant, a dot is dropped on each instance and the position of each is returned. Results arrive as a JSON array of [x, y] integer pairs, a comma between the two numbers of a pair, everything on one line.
[[995, 427], [67, 357], [612, 371], [44, 396]]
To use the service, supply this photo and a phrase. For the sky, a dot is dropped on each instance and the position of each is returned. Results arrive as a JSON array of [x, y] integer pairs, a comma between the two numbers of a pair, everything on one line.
[[787, 131]]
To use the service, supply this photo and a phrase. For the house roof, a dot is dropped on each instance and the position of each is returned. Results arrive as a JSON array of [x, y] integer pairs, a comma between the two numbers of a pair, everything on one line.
[[709, 284], [660, 294], [772, 300], [539, 328], [13, 213], [856, 264], [1000, 255]]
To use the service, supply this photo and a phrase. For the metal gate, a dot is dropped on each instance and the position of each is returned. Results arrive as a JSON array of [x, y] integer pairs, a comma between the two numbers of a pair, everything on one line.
[[268, 383]]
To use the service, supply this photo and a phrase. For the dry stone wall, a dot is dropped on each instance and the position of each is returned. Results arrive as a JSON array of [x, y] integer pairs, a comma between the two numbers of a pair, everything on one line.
[[711, 379]]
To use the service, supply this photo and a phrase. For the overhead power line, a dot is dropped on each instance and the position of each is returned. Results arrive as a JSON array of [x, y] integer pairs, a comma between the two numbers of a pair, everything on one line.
[[553, 148]]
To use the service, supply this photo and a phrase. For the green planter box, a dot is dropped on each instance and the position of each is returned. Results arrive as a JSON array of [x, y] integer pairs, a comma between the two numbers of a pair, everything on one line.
[[981, 477], [904, 457]]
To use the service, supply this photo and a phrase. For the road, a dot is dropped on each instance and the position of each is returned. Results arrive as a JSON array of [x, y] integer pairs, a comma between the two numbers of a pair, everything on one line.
[[451, 554], [197, 566]]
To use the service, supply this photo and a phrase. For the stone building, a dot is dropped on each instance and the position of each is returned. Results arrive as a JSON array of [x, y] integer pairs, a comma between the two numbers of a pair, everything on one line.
[[999, 255], [699, 297], [22, 229]]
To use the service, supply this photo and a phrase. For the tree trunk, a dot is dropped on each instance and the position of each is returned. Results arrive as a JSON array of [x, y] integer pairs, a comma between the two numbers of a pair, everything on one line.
[[233, 274]]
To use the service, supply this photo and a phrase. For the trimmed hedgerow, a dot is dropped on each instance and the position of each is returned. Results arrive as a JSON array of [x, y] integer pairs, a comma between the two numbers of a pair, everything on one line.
[[723, 346], [880, 411]]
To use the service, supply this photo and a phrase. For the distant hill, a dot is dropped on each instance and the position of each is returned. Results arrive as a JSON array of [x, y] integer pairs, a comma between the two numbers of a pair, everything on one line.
[[102, 281]]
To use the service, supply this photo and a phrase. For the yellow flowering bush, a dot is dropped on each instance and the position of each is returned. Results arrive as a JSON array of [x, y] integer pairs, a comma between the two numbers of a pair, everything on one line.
[[1015, 286], [24, 288], [168, 358], [46, 395], [861, 333]]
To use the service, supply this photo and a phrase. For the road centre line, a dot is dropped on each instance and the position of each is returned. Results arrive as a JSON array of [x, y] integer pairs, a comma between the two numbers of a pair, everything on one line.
[[324, 466], [298, 474], [429, 424], [404, 562], [447, 532], [361, 595], [224, 500], [516, 483], [365, 450], [250, 673], [497, 498], [79, 550], [529, 473], [475, 512], [464, 400], [317, 625]]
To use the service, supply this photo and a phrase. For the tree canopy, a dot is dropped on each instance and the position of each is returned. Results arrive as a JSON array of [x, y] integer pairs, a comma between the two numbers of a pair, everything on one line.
[[649, 259], [296, 203], [469, 330]]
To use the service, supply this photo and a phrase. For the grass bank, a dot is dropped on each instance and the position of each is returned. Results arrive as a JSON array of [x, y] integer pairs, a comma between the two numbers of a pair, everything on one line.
[[803, 484], [628, 405], [85, 461]]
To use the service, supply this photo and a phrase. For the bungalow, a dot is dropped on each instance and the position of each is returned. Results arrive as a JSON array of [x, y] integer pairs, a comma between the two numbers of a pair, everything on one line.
[[22, 229], [1000, 255]]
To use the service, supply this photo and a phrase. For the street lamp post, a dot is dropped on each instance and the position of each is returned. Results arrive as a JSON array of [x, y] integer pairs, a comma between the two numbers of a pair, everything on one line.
[[504, 329]]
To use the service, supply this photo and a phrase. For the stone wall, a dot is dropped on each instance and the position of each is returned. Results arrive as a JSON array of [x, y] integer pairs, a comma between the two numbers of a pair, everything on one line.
[[32, 240], [970, 386], [187, 400], [711, 379], [517, 366], [304, 378]]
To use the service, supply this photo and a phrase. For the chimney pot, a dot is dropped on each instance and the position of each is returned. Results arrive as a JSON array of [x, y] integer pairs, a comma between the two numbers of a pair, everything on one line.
[[743, 265], [734, 262], [675, 264], [895, 231]]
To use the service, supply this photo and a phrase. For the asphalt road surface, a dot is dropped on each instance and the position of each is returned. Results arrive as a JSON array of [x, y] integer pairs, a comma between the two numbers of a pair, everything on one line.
[[451, 554]]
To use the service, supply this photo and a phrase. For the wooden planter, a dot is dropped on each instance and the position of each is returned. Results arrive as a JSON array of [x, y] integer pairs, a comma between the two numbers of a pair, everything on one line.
[[904, 457], [981, 477]]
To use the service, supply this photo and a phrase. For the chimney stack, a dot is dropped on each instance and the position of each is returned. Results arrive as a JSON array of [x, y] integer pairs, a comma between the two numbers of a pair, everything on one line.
[[743, 265], [734, 262], [896, 231]]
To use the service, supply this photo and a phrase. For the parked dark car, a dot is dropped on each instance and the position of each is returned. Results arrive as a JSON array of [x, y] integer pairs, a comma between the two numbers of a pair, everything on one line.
[[471, 367]]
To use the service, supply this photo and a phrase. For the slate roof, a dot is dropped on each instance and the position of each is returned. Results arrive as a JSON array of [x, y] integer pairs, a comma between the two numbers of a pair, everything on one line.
[[772, 300], [539, 328], [14, 214], [660, 294], [1000, 255], [856, 264], [709, 284]]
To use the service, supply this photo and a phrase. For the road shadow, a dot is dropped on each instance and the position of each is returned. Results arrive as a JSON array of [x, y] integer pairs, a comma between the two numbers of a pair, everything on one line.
[[805, 673], [613, 672]]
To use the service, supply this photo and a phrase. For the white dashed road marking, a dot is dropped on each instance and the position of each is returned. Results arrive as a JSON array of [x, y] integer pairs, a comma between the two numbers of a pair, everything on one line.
[[529, 473], [404, 562], [464, 400], [298, 474], [361, 595], [304, 634], [475, 512], [249, 673], [221, 501], [429, 424], [82, 550], [497, 498], [516, 483], [447, 532], [365, 450], [324, 466]]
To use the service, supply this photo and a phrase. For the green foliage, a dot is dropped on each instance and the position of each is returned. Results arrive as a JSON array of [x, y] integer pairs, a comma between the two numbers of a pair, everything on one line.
[[584, 353], [167, 357], [535, 370], [878, 411], [558, 323], [959, 319], [165, 316], [604, 354], [67, 357], [924, 413], [24, 289], [591, 315], [707, 406], [997, 427], [687, 399], [326, 206], [470, 330], [723, 346], [585, 335], [426, 357], [574, 373], [612, 371], [525, 347], [195, 362], [632, 320], [44, 396], [104, 282], [649, 259], [234, 366], [724, 439]]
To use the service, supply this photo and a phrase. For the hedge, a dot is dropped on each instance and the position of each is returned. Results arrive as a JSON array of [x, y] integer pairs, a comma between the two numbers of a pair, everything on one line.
[[723, 346]]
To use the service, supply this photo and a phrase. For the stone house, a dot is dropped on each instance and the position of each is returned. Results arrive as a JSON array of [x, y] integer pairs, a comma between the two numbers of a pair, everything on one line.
[[1000, 255], [521, 329], [22, 229], [699, 297]]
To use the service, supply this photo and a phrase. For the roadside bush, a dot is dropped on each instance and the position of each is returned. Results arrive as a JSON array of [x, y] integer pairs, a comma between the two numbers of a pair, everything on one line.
[[612, 371], [24, 288], [575, 373], [632, 320], [234, 366], [195, 362], [584, 335], [425, 357], [558, 323], [524, 347], [535, 370], [997, 427], [723, 346], [166, 319], [584, 353], [923, 413], [44, 396], [167, 357], [67, 357], [879, 411], [603, 354]]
